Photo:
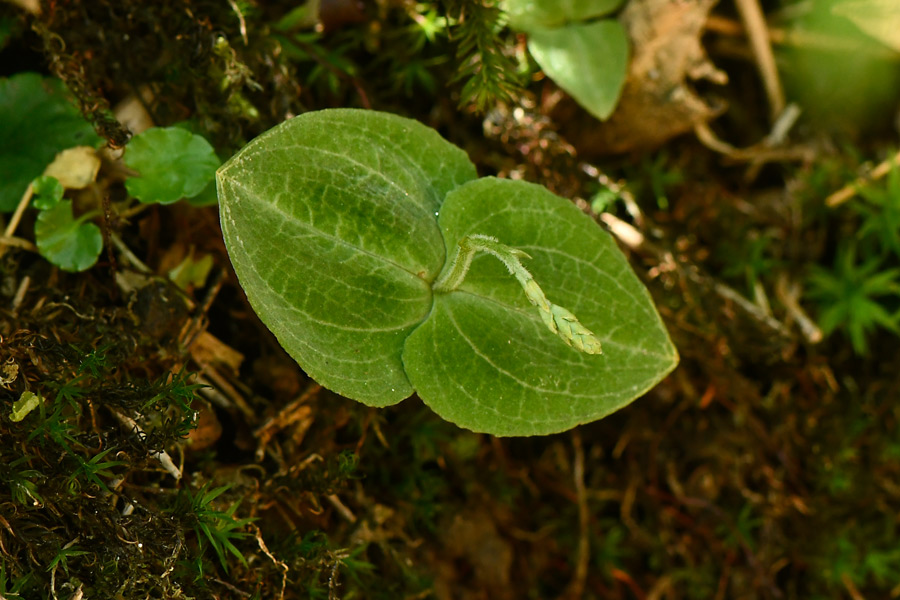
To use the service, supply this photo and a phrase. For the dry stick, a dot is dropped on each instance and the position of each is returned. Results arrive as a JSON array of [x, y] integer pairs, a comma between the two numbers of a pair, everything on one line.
[[757, 33], [281, 565], [16, 242], [850, 190], [635, 240], [243, 23], [163, 457], [17, 216], [789, 293], [851, 587], [765, 151], [803, 39], [576, 586]]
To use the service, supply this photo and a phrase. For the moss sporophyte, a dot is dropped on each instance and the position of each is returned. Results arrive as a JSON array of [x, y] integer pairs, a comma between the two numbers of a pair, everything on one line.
[[386, 267]]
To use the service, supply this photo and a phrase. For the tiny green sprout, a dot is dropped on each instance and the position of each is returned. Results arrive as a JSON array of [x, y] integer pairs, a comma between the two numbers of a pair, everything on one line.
[[557, 319], [63, 555], [26, 403], [218, 528], [48, 191], [386, 267]]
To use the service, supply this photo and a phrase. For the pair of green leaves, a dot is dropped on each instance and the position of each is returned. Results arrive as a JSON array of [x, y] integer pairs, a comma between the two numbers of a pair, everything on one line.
[[71, 243], [338, 224], [586, 57], [173, 163], [37, 123]]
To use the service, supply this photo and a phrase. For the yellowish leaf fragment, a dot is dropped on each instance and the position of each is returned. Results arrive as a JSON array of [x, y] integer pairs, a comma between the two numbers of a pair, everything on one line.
[[75, 168], [26, 403], [879, 19]]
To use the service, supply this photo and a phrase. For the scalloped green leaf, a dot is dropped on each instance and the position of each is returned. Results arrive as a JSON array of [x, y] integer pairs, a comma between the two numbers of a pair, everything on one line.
[[173, 164], [48, 191], [526, 15], [330, 223], [339, 224], [589, 61], [67, 242], [36, 122], [484, 360]]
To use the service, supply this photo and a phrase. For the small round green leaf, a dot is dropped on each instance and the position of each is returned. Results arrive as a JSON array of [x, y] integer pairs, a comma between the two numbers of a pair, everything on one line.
[[48, 191], [589, 61], [484, 360], [36, 122], [69, 243], [173, 164], [330, 223]]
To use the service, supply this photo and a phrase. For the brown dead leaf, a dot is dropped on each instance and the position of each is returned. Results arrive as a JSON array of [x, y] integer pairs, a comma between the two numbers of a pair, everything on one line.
[[472, 542], [208, 349], [657, 102]]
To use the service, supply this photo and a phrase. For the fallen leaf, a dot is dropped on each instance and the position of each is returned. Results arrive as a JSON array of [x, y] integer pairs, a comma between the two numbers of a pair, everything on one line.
[[75, 168]]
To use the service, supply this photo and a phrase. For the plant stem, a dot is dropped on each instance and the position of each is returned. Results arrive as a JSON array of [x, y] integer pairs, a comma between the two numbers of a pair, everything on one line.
[[557, 319]]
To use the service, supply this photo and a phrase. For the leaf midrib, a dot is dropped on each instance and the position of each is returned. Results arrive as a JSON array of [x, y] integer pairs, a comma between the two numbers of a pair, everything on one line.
[[308, 228]]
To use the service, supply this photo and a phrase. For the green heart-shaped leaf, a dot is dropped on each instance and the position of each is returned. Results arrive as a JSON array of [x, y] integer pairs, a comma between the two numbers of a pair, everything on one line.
[[342, 227], [589, 61], [485, 360], [331, 224]]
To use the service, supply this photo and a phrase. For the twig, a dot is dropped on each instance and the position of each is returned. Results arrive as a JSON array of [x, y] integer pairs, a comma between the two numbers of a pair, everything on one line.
[[137, 263], [850, 190], [162, 456], [803, 39], [231, 588], [20, 293], [17, 242], [628, 235], [17, 216], [583, 556], [220, 389], [243, 23], [788, 293], [851, 587], [755, 24], [342, 509], [195, 326], [762, 151], [281, 565], [295, 411]]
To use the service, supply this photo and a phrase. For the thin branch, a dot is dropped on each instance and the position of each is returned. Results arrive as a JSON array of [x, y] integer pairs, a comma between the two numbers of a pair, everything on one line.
[[755, 24], [583, 556], [17, 216], [851, 189]]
